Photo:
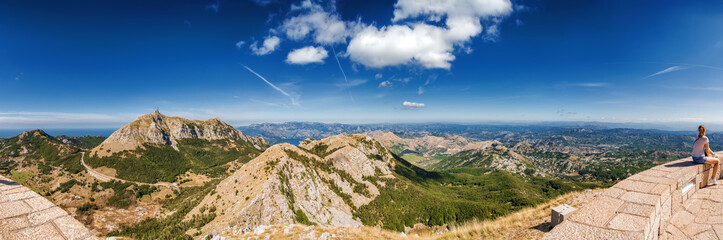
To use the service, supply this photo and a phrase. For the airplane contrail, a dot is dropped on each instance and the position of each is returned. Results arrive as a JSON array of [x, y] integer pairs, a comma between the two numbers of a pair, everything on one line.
[[293, 101], [348, 88], [667, 70]]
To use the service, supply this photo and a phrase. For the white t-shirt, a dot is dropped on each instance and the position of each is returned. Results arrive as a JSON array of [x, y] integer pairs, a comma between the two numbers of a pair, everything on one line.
[[699, 147]]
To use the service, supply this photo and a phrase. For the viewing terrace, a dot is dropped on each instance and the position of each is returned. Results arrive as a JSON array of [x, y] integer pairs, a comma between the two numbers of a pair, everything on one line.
[[669, 201]]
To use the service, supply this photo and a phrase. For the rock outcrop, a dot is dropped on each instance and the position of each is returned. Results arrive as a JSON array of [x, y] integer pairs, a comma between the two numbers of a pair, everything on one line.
[[161, 129], [319, 181]]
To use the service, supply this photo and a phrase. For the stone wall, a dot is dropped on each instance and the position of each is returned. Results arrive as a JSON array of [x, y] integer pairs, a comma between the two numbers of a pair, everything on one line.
[[639, 207]]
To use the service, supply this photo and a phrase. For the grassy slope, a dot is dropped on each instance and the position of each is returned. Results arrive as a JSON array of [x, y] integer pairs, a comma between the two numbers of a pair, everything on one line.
[[457, 195], [43, 147], [157, 162]]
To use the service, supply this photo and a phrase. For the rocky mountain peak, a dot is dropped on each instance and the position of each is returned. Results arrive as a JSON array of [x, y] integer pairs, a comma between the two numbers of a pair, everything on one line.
[[322, 181], [157, 128], [34, 133]]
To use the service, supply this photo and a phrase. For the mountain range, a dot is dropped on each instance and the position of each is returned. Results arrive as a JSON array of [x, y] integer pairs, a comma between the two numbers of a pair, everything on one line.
[[336, 175]]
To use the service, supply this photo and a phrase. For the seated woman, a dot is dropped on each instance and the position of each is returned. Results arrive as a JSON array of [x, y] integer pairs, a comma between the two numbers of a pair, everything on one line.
[[702, 153]]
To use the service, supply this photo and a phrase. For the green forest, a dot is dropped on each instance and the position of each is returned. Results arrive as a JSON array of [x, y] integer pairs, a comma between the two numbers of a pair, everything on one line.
[[161, 163]]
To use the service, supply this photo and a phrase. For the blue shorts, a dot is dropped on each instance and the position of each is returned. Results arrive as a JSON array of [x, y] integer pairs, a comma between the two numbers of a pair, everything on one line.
[[699, 159]]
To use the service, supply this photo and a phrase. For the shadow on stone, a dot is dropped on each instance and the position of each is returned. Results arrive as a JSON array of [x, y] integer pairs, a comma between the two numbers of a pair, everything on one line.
[[681, 164], [8, 183], [543, 227]]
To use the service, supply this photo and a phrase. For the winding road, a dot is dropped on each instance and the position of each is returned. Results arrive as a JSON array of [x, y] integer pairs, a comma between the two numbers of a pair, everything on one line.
[[106, 178]]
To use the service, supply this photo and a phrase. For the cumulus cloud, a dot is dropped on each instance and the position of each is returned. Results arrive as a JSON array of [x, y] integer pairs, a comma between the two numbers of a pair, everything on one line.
[[307, 55], [429, 45], [270, 44], [239, 44], [378, 76], [434, 10], [423, 32], [412, 105], [385, 84], [323, 26]]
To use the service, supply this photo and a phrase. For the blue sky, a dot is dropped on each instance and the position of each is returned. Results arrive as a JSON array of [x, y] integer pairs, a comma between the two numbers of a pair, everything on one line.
[[83, 64]]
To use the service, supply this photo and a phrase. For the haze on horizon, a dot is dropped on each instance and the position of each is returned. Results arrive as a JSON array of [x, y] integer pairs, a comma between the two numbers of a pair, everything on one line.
[[82, 64]]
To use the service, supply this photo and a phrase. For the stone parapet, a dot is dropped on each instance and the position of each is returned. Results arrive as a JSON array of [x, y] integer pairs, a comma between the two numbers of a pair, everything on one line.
[[639, 207]]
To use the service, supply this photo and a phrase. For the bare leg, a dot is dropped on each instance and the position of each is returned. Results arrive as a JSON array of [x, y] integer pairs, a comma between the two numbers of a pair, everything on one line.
[[716, 166]]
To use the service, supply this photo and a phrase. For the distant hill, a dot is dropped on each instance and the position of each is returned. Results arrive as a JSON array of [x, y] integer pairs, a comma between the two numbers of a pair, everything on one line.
[[84, 142], [294, 132], [159, 148]]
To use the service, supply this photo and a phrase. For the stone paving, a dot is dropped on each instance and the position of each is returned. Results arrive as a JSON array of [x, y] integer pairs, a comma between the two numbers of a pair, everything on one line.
[[26, 215], [700, 218]]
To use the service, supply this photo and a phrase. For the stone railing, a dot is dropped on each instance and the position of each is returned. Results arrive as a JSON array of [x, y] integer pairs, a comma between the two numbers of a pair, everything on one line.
[[639, 207]]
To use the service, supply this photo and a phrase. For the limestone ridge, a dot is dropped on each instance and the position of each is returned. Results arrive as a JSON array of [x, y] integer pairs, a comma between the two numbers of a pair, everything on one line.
[[319, 181], [161, 129]]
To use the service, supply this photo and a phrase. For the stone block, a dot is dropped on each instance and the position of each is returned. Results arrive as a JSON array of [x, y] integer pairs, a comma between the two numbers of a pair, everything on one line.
[[560, 213], [637, 209], [682, 218], [676, 200], [613, 192], [705, 235], [655, 173], [696, 228], [71, 228], [39, 203], [628, 222], [598, 212], [45, 231], [46, 215], [642, 198], [636, 186], [14, 223], [14, 208], [718, 228], [674, 233], [22, 195]]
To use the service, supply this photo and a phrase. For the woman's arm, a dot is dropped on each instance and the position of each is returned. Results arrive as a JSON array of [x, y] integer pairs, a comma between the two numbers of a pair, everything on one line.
[[708, 152]]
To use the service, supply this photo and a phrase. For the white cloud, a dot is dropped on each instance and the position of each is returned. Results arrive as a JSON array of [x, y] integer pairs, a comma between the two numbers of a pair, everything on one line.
[[420, 90], [428, 45], [385, 84], [403, 80], [270, 44], [591, 84], [378, 76], [263, 3], [214, 7], [351, 83], [239, 44], [412, 105], [410, 39], [324, 27], [434, 10], [307, 55]]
